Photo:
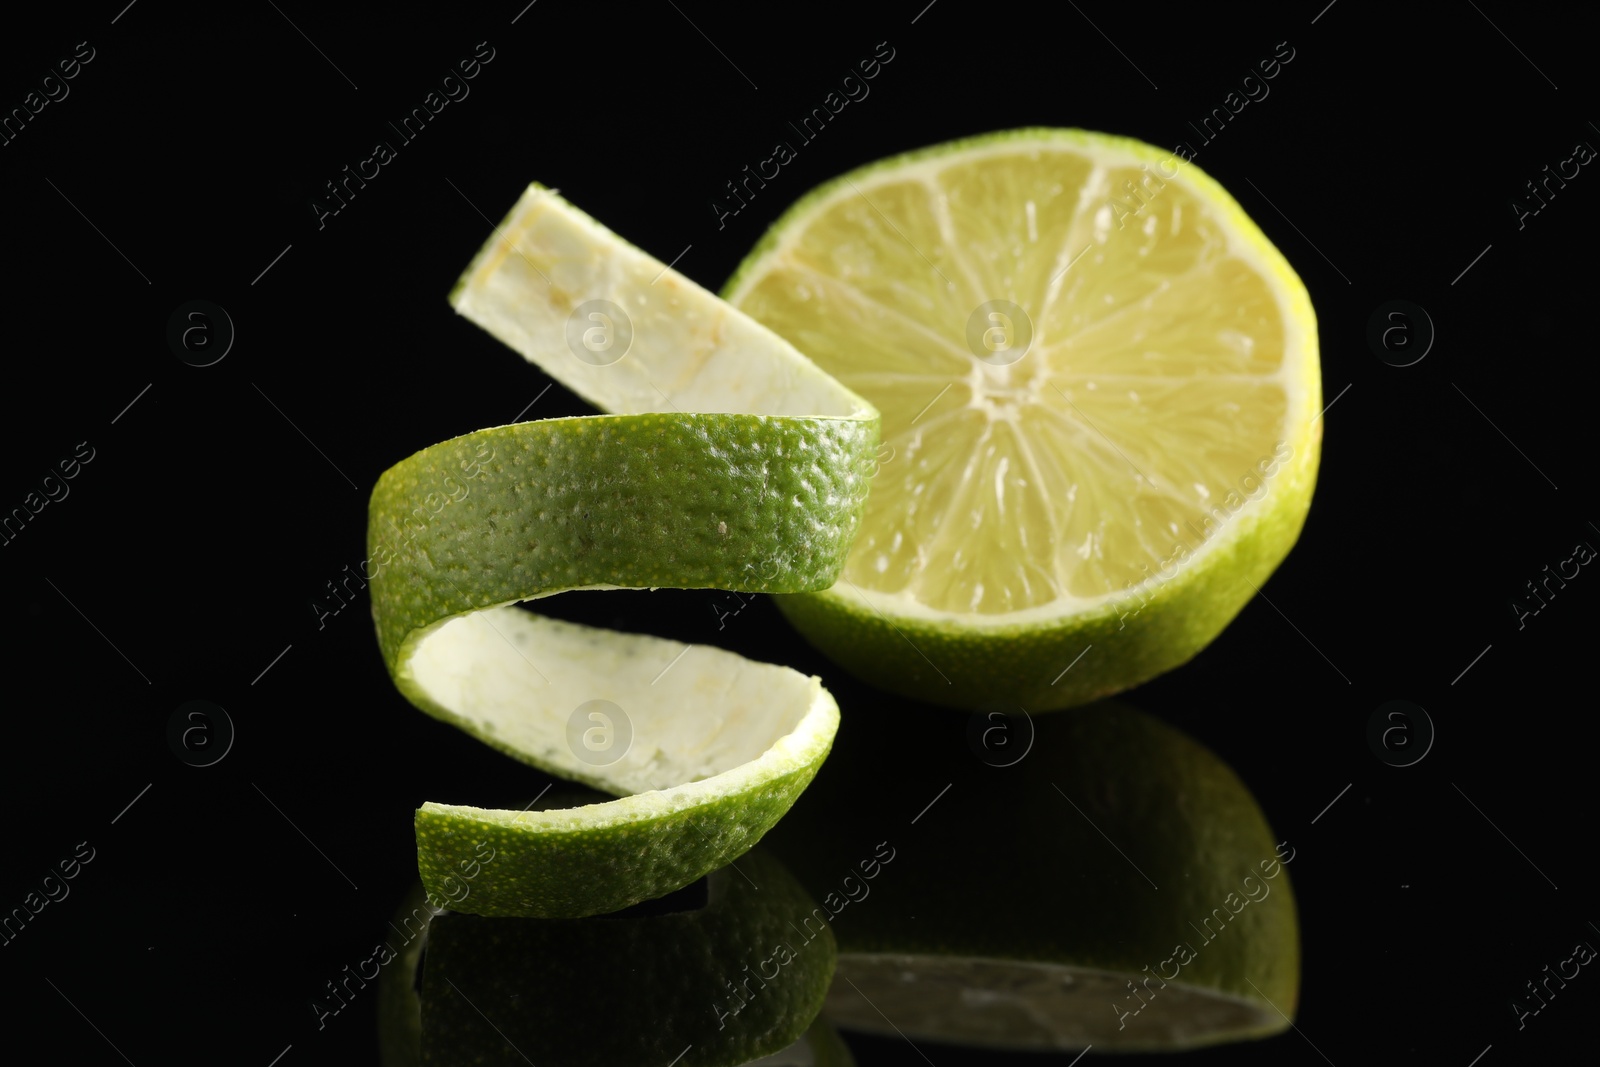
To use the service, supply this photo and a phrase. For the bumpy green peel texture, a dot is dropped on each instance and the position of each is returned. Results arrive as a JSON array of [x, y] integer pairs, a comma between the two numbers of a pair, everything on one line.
[[740, 502], [733, 463]]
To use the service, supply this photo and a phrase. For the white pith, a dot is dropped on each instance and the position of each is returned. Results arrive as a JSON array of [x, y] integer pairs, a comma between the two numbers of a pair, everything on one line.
[[691, 351], [705, 723]]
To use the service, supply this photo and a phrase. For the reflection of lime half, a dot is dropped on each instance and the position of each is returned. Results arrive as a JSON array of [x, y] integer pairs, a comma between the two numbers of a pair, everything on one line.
[[1138, 863], [731, 463], [1099, 384], [631, 988]]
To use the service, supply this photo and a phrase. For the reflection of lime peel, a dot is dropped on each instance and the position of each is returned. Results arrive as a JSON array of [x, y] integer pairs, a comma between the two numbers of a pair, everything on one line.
[[772, 463], [538, 982], [783, 952]]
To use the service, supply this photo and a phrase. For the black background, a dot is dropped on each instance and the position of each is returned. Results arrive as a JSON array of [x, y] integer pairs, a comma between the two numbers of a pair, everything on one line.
[[187, 556]]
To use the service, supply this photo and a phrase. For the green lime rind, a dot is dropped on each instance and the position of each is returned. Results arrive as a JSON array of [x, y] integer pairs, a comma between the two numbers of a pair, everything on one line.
[[631, 989], [1134, 639], [752, 479], [741, 502], [611, 856], [1136, 636], [602, 501], [1064, 856]]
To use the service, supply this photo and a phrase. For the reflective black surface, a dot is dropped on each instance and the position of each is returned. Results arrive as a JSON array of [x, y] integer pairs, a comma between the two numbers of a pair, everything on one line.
[[169, 904]]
